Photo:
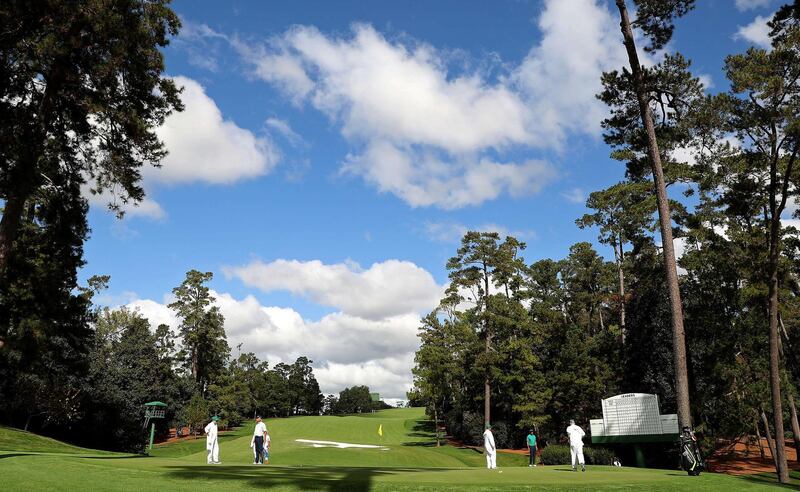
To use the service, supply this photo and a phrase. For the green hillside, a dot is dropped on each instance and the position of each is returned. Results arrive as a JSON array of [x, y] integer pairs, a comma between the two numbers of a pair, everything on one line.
[[405, 459], [17, 440]]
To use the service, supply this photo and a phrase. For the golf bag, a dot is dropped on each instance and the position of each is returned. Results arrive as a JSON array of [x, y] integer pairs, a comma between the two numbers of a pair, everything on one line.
[[691, 458]]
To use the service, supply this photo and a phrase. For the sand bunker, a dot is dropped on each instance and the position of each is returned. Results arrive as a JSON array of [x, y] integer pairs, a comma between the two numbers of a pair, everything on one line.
[[340, 445]]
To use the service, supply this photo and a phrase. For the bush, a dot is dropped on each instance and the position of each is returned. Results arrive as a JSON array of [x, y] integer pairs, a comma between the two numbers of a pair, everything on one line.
[[558, 454], [555, 454], [474, 427], [598, 456]]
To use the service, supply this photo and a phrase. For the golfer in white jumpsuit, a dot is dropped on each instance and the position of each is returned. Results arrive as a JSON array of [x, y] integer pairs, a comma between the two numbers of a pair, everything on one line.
[[212, 443], [576, 434], [490, 447]]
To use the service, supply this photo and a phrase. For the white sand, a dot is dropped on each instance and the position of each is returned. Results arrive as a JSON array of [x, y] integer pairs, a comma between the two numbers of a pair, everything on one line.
[[339, 445]]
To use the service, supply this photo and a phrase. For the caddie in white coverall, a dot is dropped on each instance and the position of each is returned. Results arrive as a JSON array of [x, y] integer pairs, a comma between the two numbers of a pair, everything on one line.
[[212, 443], [490, 448], [576, 434]]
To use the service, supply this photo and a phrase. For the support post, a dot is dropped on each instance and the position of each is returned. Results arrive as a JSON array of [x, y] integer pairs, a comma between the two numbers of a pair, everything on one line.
[[152, 433], [637, 450]]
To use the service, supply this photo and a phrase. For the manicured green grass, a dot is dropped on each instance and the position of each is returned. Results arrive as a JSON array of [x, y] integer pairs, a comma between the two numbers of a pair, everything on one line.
[[410, 463]]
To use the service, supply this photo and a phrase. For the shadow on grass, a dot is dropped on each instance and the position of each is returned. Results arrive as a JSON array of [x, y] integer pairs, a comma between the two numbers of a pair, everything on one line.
[[356, 479], [14, 455], [771, 479], [125, 457], [424, 444]]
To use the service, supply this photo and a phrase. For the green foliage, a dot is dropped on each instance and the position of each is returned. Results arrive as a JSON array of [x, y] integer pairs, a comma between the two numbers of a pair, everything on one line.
[[555, 454], [353, 400], [196, 414], [44, 315], [81, 94], [126, 371], [205, 349], [655, 18]]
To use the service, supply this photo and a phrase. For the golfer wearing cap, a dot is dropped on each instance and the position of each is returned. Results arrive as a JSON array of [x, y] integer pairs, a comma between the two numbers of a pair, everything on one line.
[[212, 443], [490, 447], [576, 434]]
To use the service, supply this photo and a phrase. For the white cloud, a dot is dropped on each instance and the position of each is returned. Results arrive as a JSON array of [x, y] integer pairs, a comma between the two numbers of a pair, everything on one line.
[[757, 32], [386, 289], [561, 75], [452, 232], [146, 208], [424, 133], [156, 312], [204, 146], [743, 5], [423, 178], [575, 195], [706, 80], [285, 130]]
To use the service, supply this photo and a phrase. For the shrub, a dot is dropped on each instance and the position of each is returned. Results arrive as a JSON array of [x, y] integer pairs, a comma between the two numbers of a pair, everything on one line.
[[555, 454], [558, 454], [598, 456]]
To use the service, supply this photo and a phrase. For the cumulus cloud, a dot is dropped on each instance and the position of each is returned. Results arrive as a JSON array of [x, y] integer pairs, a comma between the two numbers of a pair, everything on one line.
[[452, 232], [204, 146], [431, 135], [560, 76], [574, 195], [757, 32], [385, 289], [370, 340], [743, 5], [425, 178]]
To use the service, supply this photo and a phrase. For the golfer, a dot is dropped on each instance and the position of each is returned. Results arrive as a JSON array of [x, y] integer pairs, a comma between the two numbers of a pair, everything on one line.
[[490, 447], [212, 441], [257, 443], [576, 434], [532, 447]]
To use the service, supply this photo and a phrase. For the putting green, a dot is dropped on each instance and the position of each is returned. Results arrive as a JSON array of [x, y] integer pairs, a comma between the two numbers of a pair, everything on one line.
[[409, 462]]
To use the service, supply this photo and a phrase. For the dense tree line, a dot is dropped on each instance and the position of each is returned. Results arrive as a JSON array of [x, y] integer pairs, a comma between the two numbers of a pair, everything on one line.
[[356, 399], [89, 385], [532, 345]]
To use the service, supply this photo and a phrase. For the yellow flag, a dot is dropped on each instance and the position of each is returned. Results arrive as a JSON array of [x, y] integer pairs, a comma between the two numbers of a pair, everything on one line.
[[380, 430]]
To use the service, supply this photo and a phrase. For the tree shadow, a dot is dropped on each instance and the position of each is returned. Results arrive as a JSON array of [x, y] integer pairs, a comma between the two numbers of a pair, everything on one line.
[[125, 457], [771, 479], [424, 444], [357, 479], [14, 455]]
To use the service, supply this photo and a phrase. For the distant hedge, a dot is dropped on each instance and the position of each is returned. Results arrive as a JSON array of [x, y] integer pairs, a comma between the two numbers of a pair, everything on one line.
[[557, 454]]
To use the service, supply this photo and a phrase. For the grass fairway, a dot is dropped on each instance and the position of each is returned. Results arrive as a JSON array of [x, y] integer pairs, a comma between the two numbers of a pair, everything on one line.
[[409, 462]]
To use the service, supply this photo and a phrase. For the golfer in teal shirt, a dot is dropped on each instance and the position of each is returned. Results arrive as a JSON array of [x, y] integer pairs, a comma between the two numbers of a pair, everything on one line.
[[532, 447]]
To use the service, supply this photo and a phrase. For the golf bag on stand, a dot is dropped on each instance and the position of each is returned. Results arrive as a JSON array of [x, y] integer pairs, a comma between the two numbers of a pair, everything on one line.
[[691, 458]]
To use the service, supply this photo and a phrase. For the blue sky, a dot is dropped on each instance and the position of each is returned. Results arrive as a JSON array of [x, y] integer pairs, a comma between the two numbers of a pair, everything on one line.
[[332, 153]]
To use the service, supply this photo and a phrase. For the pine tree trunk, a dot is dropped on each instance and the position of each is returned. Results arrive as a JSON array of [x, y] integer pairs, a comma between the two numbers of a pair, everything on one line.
[[665, 220], [770, 441], [436, 424], [774, 335], [795, 428], [620, 260], [487, 383], [760, 442]]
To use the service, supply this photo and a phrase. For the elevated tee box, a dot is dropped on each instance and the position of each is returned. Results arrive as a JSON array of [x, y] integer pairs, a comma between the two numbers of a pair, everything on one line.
[[633, 418], [155, 410]]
